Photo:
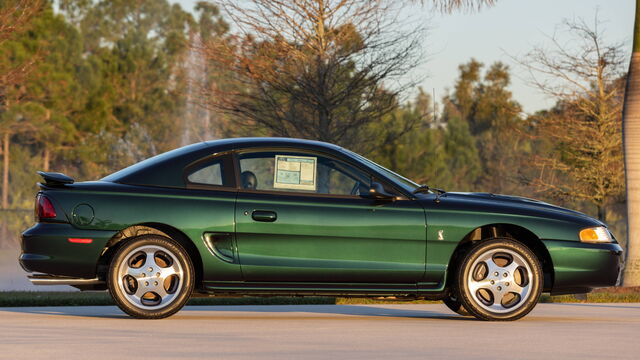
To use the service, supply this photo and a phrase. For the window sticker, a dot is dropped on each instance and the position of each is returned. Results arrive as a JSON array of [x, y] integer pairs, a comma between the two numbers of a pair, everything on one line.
[[295, 172]]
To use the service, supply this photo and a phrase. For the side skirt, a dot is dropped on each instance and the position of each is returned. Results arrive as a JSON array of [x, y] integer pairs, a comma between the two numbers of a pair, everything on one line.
[[240, 288]]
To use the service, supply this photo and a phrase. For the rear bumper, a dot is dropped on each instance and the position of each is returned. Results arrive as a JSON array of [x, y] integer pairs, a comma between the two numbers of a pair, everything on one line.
[[581, 267], [46, 249]]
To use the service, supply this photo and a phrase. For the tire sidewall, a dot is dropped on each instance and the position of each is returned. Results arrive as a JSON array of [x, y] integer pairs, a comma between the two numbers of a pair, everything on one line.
[[464, 295], [184, 291], [454, 305]]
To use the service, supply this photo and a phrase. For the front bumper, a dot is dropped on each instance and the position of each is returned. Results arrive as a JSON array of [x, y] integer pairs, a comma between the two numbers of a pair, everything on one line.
[[46, 249], [581, 267]]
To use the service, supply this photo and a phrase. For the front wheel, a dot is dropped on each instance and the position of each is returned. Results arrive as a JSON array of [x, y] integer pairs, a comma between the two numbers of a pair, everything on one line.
[[499, 279], [454, 305], [150, 277]]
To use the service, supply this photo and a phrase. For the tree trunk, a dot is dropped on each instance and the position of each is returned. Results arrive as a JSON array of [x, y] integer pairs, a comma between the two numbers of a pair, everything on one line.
[[46, 156], [4, 233], [46, 153], [631, 139], [5, 170]]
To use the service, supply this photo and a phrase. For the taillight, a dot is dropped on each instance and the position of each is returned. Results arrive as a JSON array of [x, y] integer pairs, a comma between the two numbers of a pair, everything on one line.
[[44, 208]]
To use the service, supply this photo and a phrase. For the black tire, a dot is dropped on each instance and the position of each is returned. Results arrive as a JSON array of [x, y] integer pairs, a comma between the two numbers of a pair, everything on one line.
[[499, 280], [454, 305], [138, 291]]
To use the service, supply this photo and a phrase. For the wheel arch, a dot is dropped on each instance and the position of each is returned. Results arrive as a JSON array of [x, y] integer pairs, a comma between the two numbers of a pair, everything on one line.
[[146, 229], [505, 230]]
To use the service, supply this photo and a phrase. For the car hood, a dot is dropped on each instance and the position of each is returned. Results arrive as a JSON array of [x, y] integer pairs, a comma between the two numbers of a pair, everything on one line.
[[513, 204]]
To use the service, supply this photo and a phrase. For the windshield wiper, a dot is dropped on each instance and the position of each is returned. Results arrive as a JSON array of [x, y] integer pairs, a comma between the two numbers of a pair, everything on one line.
[[427, 188]]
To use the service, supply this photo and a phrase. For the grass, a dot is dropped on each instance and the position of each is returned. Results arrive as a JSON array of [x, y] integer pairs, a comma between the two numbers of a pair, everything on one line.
[[35, 298], [593, 298], [31, 298]]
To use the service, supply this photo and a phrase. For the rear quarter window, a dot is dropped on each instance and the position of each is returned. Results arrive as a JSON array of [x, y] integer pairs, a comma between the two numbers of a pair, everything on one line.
[[209, 175], [217, 172]]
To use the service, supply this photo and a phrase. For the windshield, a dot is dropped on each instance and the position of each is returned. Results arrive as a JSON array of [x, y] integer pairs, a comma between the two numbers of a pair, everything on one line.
[[397, 178]]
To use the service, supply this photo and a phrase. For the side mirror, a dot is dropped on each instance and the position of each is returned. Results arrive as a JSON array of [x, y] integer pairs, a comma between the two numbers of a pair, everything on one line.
[[377, 192]]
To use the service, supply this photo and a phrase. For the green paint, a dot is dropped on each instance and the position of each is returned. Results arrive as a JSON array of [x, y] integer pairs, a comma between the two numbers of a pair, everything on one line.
[[316, 244]]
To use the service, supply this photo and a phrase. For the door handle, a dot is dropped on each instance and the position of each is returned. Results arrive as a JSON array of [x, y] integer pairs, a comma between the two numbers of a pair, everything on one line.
[[265, 216]]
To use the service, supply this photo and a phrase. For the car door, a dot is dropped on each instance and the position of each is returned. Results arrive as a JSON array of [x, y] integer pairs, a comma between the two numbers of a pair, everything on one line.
[[299, 218], [209, 218]]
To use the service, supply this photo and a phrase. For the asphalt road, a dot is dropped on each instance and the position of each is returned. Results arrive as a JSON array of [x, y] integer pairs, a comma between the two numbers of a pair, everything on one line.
[[551, 331]]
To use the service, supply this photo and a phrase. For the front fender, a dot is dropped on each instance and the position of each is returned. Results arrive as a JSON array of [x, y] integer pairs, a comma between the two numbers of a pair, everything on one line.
[[446, 228]]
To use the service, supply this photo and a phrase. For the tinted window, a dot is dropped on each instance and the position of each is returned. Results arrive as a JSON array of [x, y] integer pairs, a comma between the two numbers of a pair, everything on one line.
[[210, 174], [300, 172]]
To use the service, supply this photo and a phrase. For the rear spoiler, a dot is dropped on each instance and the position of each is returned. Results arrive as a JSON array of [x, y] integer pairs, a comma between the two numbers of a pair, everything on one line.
[[55, 179]]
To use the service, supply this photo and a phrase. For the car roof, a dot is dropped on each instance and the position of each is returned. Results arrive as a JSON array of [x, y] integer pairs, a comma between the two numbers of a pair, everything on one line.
[[167, 168], [245, 142]]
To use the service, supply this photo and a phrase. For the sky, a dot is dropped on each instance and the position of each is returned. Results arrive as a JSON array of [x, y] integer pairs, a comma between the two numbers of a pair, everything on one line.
[[510, 28]]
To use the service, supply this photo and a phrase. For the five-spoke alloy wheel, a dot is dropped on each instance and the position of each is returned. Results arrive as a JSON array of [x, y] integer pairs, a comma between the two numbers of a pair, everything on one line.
[[498, 279], [150, 277]]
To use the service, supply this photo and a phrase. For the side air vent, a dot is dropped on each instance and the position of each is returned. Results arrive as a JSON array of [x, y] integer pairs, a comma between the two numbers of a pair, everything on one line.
[[221, 245]]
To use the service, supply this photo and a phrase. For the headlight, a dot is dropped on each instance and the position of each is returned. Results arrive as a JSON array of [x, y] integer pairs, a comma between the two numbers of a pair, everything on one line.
[[598, 234]]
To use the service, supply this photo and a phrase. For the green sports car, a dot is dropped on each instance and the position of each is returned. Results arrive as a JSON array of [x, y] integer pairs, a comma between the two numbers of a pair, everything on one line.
[[278, 216]]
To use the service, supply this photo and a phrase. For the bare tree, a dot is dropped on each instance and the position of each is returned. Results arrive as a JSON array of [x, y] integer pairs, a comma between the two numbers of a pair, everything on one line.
[[320, 69], [449, 6], [585, 75]]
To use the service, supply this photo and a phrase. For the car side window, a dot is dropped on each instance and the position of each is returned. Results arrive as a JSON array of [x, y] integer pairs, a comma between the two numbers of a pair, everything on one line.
[[300, 172], [209, 174]]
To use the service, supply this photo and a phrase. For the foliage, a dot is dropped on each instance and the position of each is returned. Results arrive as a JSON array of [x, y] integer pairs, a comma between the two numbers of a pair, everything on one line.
[[113, 82], [484, 103], [15, 16], [312, 69], [464, 147]]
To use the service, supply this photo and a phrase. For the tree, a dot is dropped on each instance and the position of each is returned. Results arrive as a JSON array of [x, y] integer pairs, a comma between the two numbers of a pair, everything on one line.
[[461, 151], [15, 16], [411, 142], [457, 5], [585, 124], [631, 135], [438, 150], [139, 48], [482, 112], [312, 68], [54, 93]]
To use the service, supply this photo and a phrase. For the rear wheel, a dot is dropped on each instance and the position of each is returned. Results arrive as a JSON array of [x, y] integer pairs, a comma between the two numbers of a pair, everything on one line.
[[150, 277], [499, 279]]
